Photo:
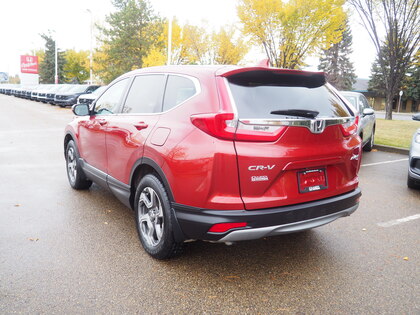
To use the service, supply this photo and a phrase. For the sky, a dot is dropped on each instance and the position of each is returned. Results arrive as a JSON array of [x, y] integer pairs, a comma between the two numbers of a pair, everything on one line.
[[69, 22]]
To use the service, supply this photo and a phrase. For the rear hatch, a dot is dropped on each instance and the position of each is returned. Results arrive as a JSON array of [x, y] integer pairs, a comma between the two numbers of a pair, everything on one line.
[[294, 137]]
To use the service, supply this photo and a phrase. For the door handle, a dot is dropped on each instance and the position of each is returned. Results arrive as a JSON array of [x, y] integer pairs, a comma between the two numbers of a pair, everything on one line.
[[141, 125]]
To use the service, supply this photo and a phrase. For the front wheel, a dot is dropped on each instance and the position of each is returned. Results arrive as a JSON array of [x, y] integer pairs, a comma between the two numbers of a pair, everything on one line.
[[75, 174], [154, 219]]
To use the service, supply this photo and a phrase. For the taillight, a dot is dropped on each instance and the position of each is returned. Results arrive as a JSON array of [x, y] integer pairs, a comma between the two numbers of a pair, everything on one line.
[[224, 126], [224, 227], [216, 124], [350, 127]]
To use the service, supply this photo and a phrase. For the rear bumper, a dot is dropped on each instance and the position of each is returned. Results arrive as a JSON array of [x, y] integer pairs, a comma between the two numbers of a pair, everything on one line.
[[195, 222]]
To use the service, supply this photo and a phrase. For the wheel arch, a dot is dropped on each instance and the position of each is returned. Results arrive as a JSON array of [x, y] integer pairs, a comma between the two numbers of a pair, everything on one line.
[[67, 138], [143, 167]]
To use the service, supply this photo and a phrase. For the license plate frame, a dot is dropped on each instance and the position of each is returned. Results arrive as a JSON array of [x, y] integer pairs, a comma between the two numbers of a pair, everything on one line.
[[310, 180]]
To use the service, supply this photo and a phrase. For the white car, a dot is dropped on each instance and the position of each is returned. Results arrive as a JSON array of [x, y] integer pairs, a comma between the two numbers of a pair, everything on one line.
[[367, 119]]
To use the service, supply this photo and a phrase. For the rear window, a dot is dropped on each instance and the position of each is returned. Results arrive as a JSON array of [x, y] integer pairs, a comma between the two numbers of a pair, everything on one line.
[[259, 93]]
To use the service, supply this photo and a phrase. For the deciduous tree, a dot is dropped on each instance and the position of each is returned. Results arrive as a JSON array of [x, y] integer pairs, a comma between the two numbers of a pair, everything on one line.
[[401, 21], [291, 30], [227, 48], [76, 68]]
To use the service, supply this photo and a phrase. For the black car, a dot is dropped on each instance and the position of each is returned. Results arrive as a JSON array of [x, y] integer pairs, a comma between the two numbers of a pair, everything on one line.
[[69, 98], [416, 116], [58, 88]]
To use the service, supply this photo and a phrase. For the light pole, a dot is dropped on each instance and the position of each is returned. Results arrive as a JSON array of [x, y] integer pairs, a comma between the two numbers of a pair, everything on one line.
[[399, 101], [91, 54], [56, 61], [169, 40]]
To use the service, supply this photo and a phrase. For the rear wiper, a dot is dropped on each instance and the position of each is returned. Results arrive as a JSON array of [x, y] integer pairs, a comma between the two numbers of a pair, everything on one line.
[[296, 112]]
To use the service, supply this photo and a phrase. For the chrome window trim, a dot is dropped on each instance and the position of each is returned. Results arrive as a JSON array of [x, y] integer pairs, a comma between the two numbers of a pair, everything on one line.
[[314, 125], [195, 81]]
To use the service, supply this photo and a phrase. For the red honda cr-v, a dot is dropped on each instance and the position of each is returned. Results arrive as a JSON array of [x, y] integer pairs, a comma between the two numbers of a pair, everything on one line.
[[218, 153]]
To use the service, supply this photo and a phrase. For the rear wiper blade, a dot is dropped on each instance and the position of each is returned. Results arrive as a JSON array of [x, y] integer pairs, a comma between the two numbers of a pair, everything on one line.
[[296, 112]]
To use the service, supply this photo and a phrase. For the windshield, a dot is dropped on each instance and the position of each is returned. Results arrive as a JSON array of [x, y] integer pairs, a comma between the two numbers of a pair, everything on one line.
[[99, 90], [78, 89]]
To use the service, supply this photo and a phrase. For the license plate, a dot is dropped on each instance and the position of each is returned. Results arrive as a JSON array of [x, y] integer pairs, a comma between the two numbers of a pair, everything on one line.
[[312, 180]]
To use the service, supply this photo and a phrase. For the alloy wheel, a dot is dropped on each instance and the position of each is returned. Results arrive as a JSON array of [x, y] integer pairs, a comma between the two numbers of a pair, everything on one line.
[[71, 164], [150, 217]]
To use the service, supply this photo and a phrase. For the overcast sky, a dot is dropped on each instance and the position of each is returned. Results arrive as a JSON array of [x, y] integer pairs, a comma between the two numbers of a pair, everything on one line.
[[23, 20]]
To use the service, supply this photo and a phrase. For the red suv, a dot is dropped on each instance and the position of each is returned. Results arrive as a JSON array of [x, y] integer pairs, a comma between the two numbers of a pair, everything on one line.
[[218, 153]]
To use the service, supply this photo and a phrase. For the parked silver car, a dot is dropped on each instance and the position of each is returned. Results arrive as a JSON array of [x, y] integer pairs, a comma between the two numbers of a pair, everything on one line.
[[367, 119], [413, 179]]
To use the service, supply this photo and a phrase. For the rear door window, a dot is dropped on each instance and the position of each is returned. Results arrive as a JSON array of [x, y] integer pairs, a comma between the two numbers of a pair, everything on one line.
[[145, 95], [258, 94], [178, 90]]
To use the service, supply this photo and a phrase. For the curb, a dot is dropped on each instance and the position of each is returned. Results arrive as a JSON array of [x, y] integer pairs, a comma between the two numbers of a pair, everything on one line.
[[387, 148]]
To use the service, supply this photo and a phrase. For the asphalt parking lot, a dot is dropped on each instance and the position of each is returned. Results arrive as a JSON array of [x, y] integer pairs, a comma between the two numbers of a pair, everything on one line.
[[65, 251]]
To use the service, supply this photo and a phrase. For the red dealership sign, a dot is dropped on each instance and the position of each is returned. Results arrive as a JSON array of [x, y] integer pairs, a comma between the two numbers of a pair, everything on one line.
[[29, 64]]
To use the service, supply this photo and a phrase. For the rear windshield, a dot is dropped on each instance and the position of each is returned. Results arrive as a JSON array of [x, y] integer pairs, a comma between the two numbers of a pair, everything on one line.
[[258, 95]]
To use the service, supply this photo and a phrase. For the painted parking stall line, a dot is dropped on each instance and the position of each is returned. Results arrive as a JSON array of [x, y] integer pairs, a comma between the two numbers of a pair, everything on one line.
[[399, 221], [385, 162]]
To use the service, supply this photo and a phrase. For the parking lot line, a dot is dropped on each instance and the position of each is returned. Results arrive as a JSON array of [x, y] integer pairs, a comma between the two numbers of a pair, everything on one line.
[[399, 221], [385, 162]]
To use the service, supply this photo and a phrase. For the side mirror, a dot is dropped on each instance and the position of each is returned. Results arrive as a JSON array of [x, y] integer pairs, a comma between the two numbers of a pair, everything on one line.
[[368, 111], [81, 109]]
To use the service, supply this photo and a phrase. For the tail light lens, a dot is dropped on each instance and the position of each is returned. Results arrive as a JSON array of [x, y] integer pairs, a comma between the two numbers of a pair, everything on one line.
[[350, 127], [224, 126]]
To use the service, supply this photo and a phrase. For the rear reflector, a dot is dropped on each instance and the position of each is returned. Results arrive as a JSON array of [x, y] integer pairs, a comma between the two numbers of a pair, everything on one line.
[[224, 227]]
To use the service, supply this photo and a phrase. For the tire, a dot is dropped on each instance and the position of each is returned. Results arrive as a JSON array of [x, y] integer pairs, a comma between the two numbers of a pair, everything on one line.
[[369, 145], [75, 174], [154, 219], [411, 183]]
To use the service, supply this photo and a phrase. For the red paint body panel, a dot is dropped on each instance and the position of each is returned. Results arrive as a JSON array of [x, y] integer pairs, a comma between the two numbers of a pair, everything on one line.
[[92, 146], [297, 149], [210, 173], [125, 143]]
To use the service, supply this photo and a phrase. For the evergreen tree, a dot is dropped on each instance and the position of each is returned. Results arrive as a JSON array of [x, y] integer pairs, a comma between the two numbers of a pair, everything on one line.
[[412, 81], [377, 78], [335, 62], [47, 65], [131, 33]]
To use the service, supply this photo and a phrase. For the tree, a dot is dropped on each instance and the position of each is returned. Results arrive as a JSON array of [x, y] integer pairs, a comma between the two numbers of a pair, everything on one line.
[[198, 45], [227, 50], [412, 81], [76, 68], [291, 30], [47, 66], [194, 45], [401, 21], [377, 81], [335, 62], [129, 37]]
